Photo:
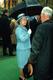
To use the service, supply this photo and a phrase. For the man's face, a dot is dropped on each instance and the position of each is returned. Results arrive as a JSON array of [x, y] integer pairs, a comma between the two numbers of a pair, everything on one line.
[[42, 17]]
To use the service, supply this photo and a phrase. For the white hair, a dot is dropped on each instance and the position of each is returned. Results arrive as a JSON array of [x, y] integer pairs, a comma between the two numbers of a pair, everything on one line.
[[47, 11]]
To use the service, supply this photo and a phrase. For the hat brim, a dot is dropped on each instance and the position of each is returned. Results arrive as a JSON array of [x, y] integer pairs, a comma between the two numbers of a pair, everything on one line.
[[21, 18]]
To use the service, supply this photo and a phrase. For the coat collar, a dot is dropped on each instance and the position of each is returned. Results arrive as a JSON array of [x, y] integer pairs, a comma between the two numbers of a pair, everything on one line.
[[50, 21], [24, 28]]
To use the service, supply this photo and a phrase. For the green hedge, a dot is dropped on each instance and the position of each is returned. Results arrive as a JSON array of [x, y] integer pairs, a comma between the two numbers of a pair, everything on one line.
[[50, 3]]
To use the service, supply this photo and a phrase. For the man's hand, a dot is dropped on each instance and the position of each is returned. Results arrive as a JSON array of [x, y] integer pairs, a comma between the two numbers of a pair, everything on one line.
[[30, 69]]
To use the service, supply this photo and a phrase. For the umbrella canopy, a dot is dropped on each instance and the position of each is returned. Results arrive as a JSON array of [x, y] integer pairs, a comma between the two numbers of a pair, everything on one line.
[[29, 7]]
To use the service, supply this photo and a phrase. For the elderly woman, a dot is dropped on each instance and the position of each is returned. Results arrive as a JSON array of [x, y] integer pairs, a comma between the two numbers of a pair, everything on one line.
[[23, 43]]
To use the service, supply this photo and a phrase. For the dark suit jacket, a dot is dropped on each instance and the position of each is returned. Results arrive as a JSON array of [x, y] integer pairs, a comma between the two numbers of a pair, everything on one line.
[[6, 31], [41, 49], [33, 26]]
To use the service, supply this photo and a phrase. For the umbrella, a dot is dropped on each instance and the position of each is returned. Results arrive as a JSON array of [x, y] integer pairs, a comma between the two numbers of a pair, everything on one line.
[[29, 7]]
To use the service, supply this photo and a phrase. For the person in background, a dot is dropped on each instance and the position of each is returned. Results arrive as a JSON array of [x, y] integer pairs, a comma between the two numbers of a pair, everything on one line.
[[6, 32], [13, 25], [23, 44], [42, 47], [0, 25], [33, 25], [0, 29]]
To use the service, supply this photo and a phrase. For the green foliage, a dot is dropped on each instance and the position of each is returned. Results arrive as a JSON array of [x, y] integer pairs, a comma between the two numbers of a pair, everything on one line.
[[50, 3]]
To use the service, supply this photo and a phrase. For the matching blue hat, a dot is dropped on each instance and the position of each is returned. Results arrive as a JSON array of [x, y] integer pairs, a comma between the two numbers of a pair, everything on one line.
[[19, 17]]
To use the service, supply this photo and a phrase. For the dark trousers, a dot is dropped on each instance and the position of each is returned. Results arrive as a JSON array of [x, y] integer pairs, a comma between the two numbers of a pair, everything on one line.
[[5, 50], [7, 44]]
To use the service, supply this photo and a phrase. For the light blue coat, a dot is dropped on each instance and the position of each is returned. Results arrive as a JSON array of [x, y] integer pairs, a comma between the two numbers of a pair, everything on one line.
[[23, 46], [23, 38]]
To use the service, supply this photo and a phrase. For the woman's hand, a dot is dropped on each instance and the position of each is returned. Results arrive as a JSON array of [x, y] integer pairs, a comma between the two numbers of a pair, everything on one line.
[[29, 31]]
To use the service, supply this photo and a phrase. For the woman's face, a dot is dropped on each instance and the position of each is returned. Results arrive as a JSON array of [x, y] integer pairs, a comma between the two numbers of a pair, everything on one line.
[[24, 21]]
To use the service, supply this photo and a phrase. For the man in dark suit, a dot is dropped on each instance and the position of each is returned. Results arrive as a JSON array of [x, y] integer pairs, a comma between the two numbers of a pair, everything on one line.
[[6, 32], [0, 30], [33, 25], [42, 47], [0, 25]]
